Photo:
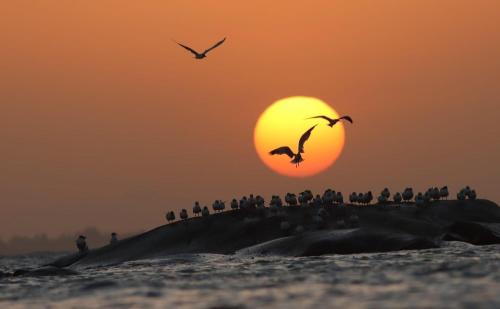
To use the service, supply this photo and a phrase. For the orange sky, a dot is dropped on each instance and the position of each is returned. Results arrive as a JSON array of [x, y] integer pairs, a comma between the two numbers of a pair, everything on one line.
[[105, 122]]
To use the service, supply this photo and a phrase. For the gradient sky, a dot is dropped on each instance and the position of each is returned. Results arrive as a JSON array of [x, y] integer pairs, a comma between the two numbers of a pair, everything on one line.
[[105, 122]]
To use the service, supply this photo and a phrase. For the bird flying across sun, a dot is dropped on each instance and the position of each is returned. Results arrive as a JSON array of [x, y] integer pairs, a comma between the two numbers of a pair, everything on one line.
[[332, 122], [296, 157], [283, 122], [202, 55]]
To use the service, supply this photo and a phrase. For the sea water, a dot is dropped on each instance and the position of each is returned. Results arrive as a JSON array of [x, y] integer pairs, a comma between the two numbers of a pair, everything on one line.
[[458, 275]]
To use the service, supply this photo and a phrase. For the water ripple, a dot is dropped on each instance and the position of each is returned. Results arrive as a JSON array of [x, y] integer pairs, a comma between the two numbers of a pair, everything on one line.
[[457, 275]]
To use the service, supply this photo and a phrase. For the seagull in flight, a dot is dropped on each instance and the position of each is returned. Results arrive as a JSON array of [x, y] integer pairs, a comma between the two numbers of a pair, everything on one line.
[[331, 121], [296, 157], [202, 55]]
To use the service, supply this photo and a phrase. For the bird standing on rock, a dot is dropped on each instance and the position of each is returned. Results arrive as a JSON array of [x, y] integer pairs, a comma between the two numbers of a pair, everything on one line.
[[461, 195], [407, 194], [196, 208], [367, 197], [419, 199], [361, 198], [234, 204], [435, 194], [276, 201], [329, 197], [291, 199], [397, 198], [353, 197], [382, 199], [444, 192], [184, 214], [427, 197], [170, 216], [386, 193], [81, 244], [339, 198]]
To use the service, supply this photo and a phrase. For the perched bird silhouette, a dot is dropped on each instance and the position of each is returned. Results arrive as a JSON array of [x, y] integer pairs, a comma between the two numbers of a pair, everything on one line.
[[331, 121], [296, 157], [202, 55]]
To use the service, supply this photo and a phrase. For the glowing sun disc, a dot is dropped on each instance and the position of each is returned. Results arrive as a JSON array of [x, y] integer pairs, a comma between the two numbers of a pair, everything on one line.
[[282, 124]]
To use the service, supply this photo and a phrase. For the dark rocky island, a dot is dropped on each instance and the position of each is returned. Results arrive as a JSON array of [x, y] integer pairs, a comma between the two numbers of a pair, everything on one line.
[[308, 230]]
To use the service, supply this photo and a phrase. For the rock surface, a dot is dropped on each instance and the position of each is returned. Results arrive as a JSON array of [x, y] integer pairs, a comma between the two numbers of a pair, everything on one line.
[[258, 231], [44, 271]]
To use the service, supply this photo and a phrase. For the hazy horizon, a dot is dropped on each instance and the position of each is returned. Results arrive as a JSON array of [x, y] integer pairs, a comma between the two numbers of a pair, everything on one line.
[[105, 122], [64, 242]]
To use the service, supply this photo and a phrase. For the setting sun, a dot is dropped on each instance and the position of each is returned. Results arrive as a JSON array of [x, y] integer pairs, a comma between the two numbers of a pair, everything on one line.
[[283, 123]]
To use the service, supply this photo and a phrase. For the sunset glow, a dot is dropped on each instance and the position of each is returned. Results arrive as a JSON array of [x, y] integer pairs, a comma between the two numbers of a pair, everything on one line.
[[282, 124]]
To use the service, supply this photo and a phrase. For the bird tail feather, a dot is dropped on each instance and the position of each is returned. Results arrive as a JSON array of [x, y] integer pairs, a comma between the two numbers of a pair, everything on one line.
[[296, 160]]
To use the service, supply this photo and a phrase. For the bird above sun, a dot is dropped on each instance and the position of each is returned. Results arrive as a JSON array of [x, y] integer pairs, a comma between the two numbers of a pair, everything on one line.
[[288, 123], [202, 55]]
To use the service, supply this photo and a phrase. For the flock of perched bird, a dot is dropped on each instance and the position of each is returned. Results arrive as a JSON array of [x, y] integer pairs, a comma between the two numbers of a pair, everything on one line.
[[329, 198]]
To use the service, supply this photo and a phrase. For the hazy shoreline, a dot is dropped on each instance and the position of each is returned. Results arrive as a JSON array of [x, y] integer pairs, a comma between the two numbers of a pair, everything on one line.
[[41, 243]]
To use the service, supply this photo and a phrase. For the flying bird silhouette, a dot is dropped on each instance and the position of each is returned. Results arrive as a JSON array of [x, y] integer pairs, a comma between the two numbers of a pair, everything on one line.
[[296, 157], [331, 121], [202, 55]]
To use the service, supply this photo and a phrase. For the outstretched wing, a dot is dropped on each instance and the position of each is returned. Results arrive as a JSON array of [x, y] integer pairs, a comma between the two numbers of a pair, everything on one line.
[[348, 118], [216, 45], [304, 138], [322, 117], [282, 150], [188, 48]]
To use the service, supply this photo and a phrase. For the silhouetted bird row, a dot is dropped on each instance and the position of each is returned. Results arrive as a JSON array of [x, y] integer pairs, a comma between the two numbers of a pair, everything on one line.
[[328, 198]]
